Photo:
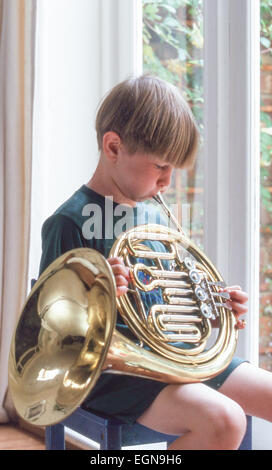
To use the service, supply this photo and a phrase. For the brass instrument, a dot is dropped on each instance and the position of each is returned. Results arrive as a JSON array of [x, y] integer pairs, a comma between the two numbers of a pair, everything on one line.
[[66, 335]]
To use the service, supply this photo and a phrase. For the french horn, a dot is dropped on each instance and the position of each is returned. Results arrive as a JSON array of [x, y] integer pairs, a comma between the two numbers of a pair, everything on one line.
[[66, 336]]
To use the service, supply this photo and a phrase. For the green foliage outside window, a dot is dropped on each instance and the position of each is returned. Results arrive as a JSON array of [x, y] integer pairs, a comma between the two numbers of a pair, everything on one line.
[[172, 46]]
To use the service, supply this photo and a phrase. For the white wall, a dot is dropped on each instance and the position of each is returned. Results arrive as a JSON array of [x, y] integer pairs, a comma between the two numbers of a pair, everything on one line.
[[83, 49]]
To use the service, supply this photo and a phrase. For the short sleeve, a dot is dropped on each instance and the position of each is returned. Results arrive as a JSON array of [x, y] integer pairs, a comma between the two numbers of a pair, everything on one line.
[[59, 234]]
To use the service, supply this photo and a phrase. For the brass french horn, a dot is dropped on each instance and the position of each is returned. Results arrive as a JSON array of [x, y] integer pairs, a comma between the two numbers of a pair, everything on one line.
[[66, 337]]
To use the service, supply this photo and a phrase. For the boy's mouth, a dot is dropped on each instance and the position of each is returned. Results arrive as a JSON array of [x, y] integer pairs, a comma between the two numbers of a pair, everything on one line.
[[161, 191]]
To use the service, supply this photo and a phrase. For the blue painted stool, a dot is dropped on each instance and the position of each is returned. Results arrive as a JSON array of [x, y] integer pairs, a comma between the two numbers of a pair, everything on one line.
[[112, 434], [109, 433]]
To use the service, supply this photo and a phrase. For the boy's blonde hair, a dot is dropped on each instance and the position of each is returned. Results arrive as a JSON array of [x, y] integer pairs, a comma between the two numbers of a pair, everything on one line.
[[150, 116]]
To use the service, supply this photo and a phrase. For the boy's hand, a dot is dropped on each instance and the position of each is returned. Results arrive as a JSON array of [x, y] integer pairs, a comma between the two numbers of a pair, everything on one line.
[[237, 302], [121, 274]]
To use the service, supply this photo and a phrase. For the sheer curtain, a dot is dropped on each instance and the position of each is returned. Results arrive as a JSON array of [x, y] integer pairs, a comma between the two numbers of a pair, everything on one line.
[[17, 50]]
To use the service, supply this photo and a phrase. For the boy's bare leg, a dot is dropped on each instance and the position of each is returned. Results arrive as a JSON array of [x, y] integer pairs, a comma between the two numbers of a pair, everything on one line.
[[251, 387], [206, 418]]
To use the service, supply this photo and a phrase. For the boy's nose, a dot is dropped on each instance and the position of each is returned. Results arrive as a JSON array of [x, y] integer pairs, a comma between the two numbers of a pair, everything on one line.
[[165, 178]]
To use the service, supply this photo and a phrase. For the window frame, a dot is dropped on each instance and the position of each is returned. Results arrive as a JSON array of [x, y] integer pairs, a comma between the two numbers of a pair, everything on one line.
[[232, 151]]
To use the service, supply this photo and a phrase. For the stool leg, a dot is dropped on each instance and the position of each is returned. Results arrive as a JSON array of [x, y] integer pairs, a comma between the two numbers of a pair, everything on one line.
[[54, 437], [111, 439]]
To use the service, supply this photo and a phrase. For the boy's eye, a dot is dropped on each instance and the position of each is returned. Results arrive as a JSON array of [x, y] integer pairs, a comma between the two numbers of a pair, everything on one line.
[[159, 167]]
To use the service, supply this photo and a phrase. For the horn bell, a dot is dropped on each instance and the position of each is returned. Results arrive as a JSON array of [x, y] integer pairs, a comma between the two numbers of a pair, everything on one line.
[[59, 346]]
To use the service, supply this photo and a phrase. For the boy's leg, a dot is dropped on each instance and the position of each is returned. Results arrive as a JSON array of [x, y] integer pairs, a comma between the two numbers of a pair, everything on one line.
[[251, 388], [207, 418]]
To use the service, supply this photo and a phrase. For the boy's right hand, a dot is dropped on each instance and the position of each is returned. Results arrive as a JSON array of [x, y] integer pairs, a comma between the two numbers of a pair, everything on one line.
[[121, 274]]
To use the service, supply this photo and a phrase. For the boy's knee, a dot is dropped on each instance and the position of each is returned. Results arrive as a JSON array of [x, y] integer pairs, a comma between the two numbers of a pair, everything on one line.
[[228, 425]]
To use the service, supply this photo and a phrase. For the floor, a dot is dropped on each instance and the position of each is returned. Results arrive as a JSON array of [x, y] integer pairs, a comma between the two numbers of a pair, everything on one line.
[[15, 438], [22, 437]]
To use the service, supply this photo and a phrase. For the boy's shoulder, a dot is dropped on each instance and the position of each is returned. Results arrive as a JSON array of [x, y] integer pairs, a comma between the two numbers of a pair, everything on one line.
[[70, 211], [76, 202]]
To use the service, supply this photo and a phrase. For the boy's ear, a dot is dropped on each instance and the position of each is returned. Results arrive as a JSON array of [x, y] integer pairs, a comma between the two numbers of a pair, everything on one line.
[[111, 145]]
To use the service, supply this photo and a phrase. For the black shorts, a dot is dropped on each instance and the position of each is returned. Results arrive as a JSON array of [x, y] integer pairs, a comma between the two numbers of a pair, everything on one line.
[[126, 398]]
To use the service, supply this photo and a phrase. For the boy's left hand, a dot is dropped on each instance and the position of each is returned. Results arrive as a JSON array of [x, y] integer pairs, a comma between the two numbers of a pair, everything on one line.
[[121, 274], [238, 299]]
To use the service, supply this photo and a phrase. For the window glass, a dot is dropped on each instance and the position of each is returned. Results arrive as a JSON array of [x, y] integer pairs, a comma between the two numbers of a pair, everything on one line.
[[173, 50], [265, 343]]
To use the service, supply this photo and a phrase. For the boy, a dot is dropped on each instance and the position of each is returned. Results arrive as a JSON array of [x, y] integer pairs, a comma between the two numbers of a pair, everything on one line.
[[144, 131]]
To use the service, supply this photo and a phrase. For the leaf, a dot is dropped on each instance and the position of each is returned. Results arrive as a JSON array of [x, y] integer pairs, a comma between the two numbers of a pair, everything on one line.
[[172, 22], [151, 9], [265, 42], [169, 8]]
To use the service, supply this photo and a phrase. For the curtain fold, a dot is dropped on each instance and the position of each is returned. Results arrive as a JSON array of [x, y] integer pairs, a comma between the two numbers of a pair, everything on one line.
[[17, 78]]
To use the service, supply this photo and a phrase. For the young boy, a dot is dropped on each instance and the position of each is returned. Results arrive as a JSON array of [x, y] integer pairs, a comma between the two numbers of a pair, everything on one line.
[[145, 130]]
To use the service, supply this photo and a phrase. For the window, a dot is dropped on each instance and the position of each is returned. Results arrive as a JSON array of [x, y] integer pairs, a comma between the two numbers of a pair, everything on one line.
[[210, 50]]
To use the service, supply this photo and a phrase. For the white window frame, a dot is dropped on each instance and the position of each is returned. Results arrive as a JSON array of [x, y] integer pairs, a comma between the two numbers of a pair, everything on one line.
[[120, 42], [232, 152]]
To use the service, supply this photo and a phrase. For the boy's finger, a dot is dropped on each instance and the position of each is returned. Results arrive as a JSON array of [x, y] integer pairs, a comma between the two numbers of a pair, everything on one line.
[[231, 288], [120, 270], [241, 324], [121, 290], [238, 308], [121, 281], [239, 296], [116, 260]]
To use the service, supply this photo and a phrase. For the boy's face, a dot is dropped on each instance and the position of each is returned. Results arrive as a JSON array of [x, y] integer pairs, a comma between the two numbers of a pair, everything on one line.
[[141, 176], [131, 178]]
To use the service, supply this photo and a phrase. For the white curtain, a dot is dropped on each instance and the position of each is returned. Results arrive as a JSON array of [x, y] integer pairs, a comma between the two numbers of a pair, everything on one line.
[[17, 52]]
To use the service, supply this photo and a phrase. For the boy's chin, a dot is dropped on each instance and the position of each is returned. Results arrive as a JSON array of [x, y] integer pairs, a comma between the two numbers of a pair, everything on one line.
[[145, 198], [142, 198]]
